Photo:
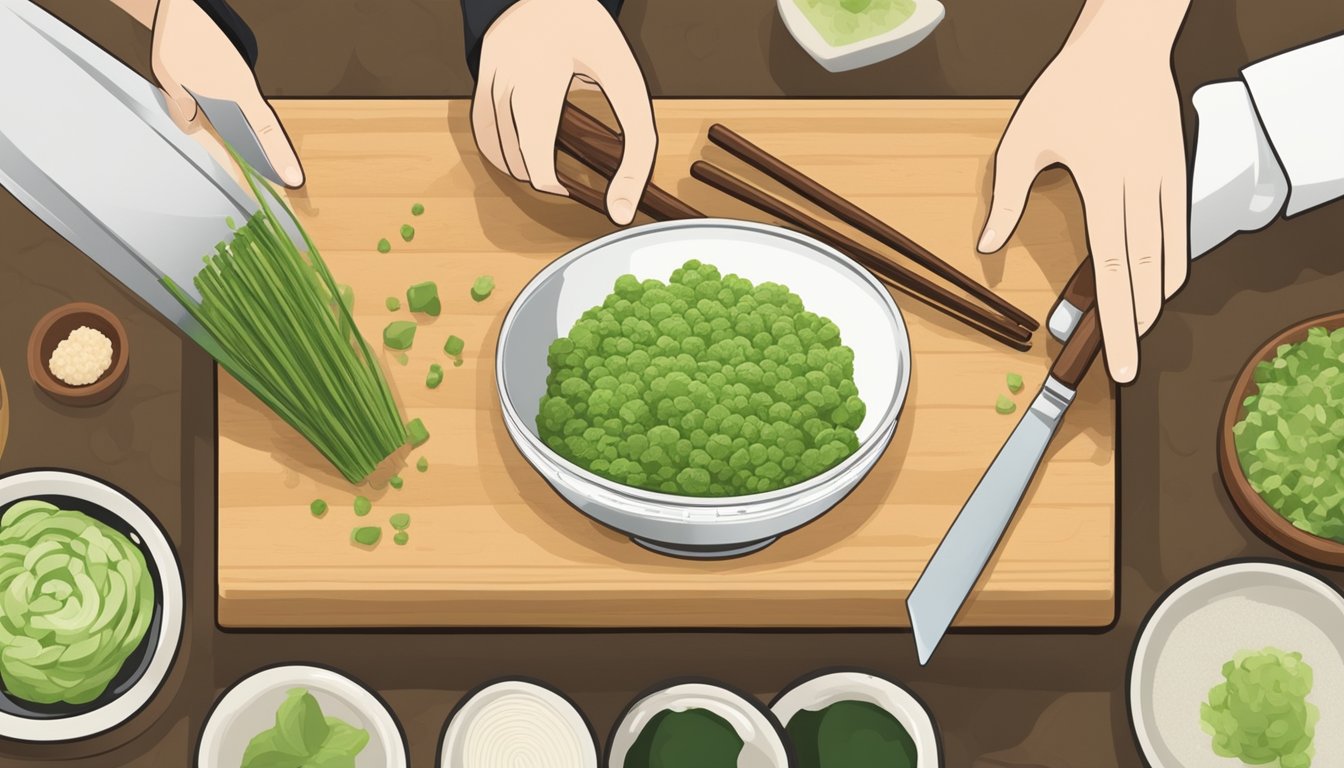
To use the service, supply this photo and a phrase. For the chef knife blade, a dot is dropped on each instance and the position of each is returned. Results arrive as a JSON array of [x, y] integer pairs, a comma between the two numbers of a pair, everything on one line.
[[227, 118], [974, 535]]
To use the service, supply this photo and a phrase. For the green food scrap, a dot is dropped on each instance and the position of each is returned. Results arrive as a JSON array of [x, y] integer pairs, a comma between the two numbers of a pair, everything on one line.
[[417, 209], [400, 538], [362, 505], [395, 481], [384, 246], [680, 739], [228, 221], [318, 507], [457, 362], [422, 464], [1014, 382], [400, 521], [1260, 713], [407, 232], [1004, 406], [424, 297], [366, 535], [435, 376], [399, 334], [416, 433], [1290, 440], [453, 346], [706, 385], [304, 737], [482, 287], [392, 303], [402, 358]]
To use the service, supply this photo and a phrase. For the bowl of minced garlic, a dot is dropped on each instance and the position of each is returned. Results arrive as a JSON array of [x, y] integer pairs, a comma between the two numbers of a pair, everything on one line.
[[77, 354]]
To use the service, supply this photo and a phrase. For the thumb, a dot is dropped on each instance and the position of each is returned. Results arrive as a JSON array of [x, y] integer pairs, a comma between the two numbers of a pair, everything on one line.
[[272, 137], [182, 107], [1013, 176]]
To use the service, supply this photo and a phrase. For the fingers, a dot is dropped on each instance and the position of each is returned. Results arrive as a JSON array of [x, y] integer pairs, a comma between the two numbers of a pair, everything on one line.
[[182, 108], [271, 135], [507, 131], [483, 122], [1143, 240], [624, 86], [1115, 299], [536, 114], [1014, 172], [1175, 232]]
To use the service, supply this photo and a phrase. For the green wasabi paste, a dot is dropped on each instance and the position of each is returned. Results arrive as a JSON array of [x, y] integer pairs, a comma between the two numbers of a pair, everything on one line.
[[842, 22], [851, 734], [695, 738]]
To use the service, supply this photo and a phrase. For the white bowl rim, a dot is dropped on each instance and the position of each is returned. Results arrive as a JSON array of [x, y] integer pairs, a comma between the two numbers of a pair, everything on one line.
[[920, 21], [29, 483], [1175, 595], [352, 691], [884, 425], [896, 699], [465, 713], [720, 699]]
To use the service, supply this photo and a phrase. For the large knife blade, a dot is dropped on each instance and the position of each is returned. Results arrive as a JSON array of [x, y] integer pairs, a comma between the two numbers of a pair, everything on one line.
[[961, 557]]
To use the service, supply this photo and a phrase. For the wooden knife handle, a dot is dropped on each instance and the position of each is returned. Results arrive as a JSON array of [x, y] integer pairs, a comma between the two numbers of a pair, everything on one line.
[[1078, 352], [1081, 290]]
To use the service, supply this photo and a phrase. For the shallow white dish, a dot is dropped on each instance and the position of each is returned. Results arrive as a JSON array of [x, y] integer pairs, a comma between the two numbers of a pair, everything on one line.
[[1205, 621], [249, 707], [511, 730], [762, 736], [829, 284], [928, 14], [137, 687], [825, 689]]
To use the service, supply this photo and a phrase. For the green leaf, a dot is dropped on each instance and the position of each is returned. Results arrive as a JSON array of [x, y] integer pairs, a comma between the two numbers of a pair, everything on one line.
[[300, 728], [264, 752]]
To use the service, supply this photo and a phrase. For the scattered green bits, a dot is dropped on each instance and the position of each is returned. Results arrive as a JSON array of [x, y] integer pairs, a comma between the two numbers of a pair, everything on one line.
[[384, 246], [366, 535], [392, 303], [395, 481], [401, 538], [1014, 382], [407, 232], [399, 334], [454, 346], [417, 209], [318, 507], [1259, 714], [457, 362], [1290, 441], [416, 433], [422, 464], [363, 506], [228, 221], [435, 376], [424, 297], [1004, 406], [401, 521], [482, 287]]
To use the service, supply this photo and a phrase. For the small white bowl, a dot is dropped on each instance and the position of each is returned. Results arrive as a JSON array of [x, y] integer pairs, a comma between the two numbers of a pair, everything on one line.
[[121, 512], [827, 688], [928, 14], [762, 736], [249, 707], [502, 701]]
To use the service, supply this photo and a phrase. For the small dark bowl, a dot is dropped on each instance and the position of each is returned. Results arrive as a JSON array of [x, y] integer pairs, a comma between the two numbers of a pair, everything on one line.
[[1254, 509], [53, 328]]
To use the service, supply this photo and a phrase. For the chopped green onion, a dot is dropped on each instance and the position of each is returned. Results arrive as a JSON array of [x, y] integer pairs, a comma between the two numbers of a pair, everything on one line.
[[399, 334], [417, 209], [457, 363], [384, 246], [1004, 406], [401, 521], [395, 481], [363, 506], [1015, 382], [400, 538], [228, 221], [482, 287], [454, 346], [416, 432], [318, 507], [407, 232], [424, 297], [366, 535], [392, 303], [422, 464], [435, 376]]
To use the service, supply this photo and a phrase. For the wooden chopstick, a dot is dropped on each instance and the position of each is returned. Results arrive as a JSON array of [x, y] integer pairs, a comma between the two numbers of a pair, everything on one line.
[[861, 220], [581, 192], [591, 142], [915, 285]]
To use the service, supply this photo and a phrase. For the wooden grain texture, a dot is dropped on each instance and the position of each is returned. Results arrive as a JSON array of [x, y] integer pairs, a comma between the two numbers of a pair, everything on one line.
[[492, 545]]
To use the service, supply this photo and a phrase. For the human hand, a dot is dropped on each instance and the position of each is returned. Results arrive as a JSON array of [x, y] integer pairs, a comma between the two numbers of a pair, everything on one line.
[[530, 57], [1107, 108], [191, 52]]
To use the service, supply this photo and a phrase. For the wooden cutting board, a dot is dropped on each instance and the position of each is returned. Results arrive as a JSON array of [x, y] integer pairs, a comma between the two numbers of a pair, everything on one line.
[[492, 545]]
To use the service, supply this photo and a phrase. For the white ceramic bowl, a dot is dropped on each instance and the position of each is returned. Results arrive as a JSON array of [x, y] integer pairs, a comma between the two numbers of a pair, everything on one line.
[[928, 14], [1207, 620], [829, 284], [249, 707], [498, 720], [143, 673], [762, 736], [825, 689]]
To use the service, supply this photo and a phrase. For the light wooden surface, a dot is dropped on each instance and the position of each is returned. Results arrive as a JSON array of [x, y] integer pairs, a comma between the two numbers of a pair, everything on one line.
[[492, 545]]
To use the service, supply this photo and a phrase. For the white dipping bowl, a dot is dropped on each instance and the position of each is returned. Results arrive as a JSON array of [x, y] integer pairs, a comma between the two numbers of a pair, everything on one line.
[[822, 690], [763, 740], [829, 284], [517, 722], [133, 689], [839, 58], [249, 707]]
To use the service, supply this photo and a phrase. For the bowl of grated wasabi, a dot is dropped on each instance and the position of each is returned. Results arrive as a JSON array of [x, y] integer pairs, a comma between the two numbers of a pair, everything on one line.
[[92, 607], [1281, 449], [703, 386], [847, 34]]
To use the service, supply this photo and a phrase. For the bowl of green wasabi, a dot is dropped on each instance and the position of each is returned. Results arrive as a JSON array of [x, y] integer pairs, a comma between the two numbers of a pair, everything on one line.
[[848, 34], [697, 724], [855, 719]]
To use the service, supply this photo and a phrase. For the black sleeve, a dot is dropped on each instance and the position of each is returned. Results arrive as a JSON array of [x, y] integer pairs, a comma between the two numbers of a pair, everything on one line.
[[478, 15], [233, 27]]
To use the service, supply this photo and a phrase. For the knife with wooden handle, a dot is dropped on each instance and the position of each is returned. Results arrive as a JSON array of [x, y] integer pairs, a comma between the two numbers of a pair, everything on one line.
[[974, 535]]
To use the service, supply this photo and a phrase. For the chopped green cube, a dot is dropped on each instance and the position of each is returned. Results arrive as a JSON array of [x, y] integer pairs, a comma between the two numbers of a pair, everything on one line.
[[435, 376], [399, 334], [423, 297], [318, 507], [482, 287], [395, 481], [407, 232], [384, 246], [401, 521], [1015, 382], [363, 506], [400, 538], [454, 346], [1004, 405], [457, 363], [366, 535], [417, 209], [402, 358], [416, 432], [422, 464], [392, 303]]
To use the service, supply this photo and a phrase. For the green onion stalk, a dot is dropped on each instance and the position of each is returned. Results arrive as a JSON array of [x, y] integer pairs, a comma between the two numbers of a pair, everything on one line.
[[283, 331]]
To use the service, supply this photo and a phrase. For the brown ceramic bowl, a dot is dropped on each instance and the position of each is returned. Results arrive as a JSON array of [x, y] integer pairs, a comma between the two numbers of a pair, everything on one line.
[[1256, 511], [53, 328]]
